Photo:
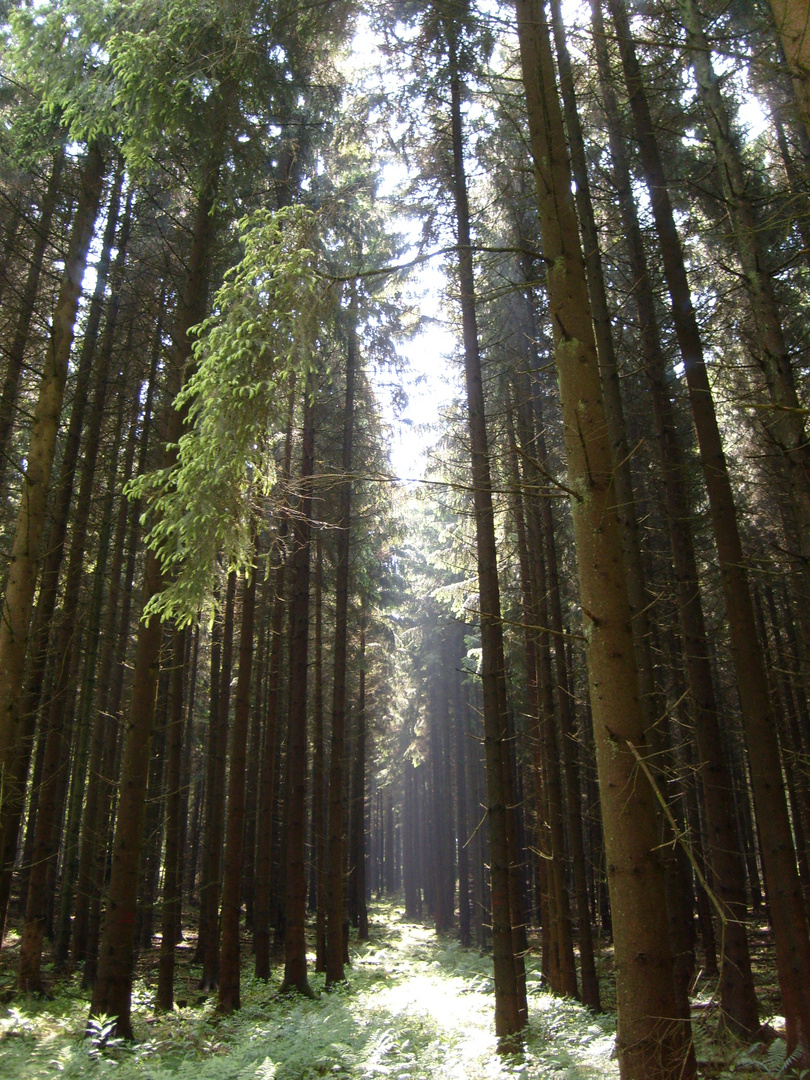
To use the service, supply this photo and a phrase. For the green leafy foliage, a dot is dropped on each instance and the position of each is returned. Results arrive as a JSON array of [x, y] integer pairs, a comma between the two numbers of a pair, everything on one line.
[[60, 62], [416, 1006], [261, 338]]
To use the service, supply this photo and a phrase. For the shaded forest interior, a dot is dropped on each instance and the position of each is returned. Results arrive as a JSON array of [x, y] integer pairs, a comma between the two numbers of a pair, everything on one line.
[[552, 698]]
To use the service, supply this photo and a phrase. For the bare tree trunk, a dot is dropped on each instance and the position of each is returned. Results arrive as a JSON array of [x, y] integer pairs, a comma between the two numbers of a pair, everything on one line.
[[211, 885], [229, 951], [654, 1039], [173, 857], [21, 582], [793, 26], [510, 1003], [295, 949], [738, 999], [115, 633], [336, 826], [27, 303], [318, 777], [113, 985], [788, 916], [264, 838]]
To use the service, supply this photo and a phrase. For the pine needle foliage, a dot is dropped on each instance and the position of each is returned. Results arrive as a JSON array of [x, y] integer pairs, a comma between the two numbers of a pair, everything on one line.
[[261, 338]]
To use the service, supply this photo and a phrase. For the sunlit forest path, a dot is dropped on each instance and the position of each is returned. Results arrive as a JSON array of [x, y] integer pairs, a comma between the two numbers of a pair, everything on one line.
[[415, 1005]]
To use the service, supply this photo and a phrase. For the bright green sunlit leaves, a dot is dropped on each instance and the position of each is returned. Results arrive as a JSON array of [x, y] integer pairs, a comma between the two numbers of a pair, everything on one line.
[[261, 339]]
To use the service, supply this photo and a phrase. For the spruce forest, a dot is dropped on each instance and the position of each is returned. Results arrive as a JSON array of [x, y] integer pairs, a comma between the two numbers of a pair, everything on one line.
[[404, 539]]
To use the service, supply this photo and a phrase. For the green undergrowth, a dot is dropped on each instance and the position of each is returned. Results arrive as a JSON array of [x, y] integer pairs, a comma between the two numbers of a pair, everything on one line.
[[414, 1006]]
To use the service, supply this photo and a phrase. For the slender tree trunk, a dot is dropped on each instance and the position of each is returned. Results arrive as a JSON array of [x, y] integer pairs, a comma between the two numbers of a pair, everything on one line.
[[793, 26], [295, 949], [211, 886], [359, 787], [510, 1014], [654, 1039], [462, 828], [335, 847], [784, 421], [60, 719], [229, 953], [788, 916], [27, 303], [113, 986], [21, 582], [92, 853], [173, 856], [738, 999], [264, 838], [318, 816]]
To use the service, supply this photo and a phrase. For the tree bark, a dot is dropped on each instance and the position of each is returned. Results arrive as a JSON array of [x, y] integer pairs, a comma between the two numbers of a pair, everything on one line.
[[27, 303], [792, 20], [335, 846], [173, 856], [21, 581], [229, 952], [295, 949], [788, 916], [654, 1039], [264, 838], [113, 986], [510, 1010]]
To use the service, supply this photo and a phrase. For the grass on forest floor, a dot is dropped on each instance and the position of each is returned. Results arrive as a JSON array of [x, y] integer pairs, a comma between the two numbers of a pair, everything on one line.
[[415, 1005]]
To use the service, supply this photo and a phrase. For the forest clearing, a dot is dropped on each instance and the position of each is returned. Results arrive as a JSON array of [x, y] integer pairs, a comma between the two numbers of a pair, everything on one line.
[[495, 761], [416, 1006]]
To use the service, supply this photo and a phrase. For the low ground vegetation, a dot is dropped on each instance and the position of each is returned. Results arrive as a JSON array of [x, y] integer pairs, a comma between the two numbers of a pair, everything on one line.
[[416, 1006]]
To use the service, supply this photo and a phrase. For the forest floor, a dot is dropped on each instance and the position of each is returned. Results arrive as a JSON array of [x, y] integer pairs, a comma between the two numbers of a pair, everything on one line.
[[415, 1006]]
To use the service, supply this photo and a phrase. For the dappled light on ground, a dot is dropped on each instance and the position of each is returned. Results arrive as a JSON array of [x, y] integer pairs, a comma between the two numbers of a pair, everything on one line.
[[414, 1007]]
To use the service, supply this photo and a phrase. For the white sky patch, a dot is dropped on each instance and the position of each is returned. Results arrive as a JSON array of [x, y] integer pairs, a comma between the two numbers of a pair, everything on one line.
[[753, 117], [428, 382]]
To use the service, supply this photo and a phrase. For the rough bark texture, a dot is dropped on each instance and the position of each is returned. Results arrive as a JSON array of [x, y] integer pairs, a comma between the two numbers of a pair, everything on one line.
[[295, 947], [792, 18], [738, 999], [510, 1012], [173, 857], [335, 848], [264, 838], [788, 916], [27, 302], [229, 952], [113, 985], [22, 573], [654, 1039]]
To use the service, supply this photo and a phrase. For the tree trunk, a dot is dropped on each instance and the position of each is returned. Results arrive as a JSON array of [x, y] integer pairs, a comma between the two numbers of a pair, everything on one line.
[[264, 838], [229, 952], [115, 634], [784, 420], [654, 1039], [25, 313], [173, 856], [295, 949], [22, 574], [113, 986], [738, 999], [510, 1012], [359, 787], [788, 916], [318, 816], [335, 846], [211, 885], [793, 26]]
